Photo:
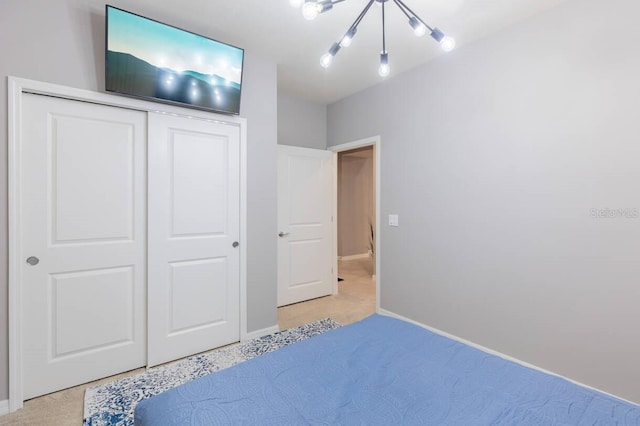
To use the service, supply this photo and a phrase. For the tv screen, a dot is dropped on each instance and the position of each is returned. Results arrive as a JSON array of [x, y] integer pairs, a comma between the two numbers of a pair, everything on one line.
[[155, 61]]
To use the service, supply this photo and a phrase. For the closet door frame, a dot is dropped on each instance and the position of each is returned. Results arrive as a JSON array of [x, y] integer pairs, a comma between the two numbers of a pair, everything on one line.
[[16, 88]]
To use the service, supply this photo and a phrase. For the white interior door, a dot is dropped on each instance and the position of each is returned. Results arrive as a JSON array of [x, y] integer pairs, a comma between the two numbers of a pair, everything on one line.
[[194, 226], [304, 224], [83, 233]]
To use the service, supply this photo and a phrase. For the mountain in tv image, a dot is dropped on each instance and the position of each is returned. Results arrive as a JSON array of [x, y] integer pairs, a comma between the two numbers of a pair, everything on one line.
[[130, 75]]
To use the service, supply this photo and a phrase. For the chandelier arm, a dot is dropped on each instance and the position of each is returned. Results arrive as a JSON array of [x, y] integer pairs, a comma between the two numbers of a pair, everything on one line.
[[384, 38], [406, 9], [402, 9], [383, 69], [359, 18], [364, 12]]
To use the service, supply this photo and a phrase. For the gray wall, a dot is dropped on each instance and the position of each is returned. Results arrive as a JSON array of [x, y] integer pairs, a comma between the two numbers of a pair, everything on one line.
[[493, 156], [63, 42], [356, 210], [301, 122], [259, 106]]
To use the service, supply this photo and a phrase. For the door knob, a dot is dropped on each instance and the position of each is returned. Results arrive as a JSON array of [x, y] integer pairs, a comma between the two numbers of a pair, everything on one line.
[[235, 244], [283, 234], [33, 261]]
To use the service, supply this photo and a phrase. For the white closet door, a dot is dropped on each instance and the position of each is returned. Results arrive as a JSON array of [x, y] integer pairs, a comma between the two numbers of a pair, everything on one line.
[[194, 218], [83, 233]]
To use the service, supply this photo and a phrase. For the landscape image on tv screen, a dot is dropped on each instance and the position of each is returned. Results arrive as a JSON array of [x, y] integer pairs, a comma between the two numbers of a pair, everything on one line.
[[148, 59]]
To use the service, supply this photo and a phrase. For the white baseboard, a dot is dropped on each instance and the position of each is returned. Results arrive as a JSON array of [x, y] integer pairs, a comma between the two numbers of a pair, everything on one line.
[[496, 353], [354, 256], [4, 407], [259, 333]]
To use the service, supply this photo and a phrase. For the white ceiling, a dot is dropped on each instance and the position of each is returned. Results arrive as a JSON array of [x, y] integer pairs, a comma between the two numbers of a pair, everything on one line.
[[276, 31]]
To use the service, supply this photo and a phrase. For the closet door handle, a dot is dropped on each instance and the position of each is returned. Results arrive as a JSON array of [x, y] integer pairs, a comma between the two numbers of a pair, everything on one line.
[[283, 234], [33, 261]]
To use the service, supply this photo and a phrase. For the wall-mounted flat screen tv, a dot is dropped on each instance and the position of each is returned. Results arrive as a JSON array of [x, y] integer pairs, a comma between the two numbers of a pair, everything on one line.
[[155, 61]]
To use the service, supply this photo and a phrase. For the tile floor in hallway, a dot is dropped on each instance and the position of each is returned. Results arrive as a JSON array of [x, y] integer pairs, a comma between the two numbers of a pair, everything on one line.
[[355, 300]]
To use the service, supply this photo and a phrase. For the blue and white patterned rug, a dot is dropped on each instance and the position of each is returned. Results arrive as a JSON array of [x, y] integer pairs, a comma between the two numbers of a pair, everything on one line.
[[113, 403]]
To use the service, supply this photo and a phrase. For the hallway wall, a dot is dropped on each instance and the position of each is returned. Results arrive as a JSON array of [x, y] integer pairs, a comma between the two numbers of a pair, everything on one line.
[[356, 209]]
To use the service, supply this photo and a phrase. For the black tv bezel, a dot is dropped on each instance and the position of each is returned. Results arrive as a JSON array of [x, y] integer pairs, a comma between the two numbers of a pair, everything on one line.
[[160, 100]]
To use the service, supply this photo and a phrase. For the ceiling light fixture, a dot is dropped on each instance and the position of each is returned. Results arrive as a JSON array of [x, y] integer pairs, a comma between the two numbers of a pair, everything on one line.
[[312, 8]]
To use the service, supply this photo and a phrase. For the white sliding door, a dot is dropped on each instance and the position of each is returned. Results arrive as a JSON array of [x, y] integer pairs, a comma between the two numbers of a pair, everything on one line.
[[194, 259], [304, 224], [83, 240]]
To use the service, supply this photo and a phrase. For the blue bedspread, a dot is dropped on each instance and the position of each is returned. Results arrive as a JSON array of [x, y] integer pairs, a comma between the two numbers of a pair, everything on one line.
[[381, 371]]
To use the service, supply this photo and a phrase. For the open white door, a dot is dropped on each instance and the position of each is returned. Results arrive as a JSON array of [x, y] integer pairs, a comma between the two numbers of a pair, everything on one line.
[[83, 235], [194, 227], [304, 224]]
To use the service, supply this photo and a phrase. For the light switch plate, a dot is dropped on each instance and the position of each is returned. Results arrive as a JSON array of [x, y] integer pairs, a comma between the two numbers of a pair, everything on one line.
[[393, 220]]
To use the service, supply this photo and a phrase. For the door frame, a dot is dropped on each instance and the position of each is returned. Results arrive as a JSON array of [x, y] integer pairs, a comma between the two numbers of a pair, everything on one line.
[[376, 143], [17, 87]]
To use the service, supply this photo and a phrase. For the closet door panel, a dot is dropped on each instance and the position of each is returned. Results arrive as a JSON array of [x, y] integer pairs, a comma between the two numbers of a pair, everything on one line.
[[194, 211], [83, 242]]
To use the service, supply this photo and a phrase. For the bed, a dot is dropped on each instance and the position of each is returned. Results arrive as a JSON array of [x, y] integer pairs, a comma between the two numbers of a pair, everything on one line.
[[382, 371]]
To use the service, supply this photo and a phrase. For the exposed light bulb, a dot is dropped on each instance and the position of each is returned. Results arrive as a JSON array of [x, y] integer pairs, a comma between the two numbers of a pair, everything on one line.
[[348, 37], [310, 10], [384, 69], [346, 41], [295, 3], [324, 6], [326, 60], [448, 43], [419, 29]]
